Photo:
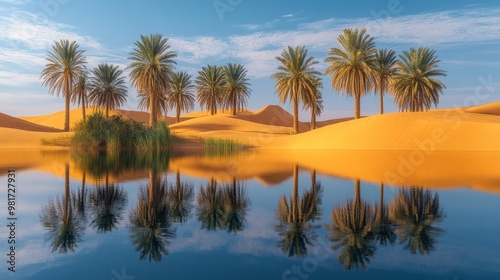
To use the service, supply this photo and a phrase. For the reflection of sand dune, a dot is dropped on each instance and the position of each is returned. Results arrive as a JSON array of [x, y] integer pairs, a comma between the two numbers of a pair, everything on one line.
[[477, 170], [470, 129], [265, 169]]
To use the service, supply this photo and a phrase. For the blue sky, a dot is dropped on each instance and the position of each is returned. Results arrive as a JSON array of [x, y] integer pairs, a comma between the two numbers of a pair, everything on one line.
[[465, 35]]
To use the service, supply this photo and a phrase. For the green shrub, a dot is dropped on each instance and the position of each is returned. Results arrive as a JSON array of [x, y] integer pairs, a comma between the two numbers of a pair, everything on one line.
[[222, 146], [115, 133]]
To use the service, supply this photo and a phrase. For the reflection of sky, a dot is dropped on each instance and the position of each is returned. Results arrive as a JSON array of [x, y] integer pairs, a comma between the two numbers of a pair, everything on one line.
[[467, 247]]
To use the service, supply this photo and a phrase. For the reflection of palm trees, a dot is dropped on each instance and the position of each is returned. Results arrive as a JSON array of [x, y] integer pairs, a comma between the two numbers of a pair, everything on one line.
[[415, 212], [351, 230], [80, 200], [295, 217], [108, 203], [235, 205], [150, 221], [384, 229], [59, 217], [181, 197], [210, 209]]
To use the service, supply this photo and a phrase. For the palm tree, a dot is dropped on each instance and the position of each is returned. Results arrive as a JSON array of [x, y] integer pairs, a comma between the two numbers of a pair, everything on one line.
[[152, 65], [237, 87], [151, 223], [236, 204], [210, 87], [108, 87], [181, 95], [181, 197], [415, 212], [210, 209], [317, 106], [79, 95], [351, 67], [66, 63], [385, 69], [62, 221], [415, 85], [295, 79], [296, 216], [352, 230]]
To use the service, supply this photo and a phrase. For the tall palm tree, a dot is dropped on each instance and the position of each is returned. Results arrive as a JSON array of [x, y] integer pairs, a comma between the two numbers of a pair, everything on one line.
[[66, 63], [180, 199], [352, 230], [415, 213], [210, 87], [181, 95], [416, 86], [296, 217], [151, 223], [237, 87], [210, 209], [236, 204], [295, 79], [79, 95], [62, 221], [351, 66], [316, 106], [385, 69], [152, 65], [108, 87]]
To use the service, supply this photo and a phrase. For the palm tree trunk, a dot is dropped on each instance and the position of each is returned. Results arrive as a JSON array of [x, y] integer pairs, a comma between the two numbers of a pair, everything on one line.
[[107, 111], [357, 105], [382, 87], [178, 113], [83, 108], [313, 119], [152, 108], [234, 105], [66, 105], [295, 116]]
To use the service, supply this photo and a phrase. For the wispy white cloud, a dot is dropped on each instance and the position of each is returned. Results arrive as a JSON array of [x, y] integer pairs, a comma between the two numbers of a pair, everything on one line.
[[17, 79], [36, 33], [257, 50]]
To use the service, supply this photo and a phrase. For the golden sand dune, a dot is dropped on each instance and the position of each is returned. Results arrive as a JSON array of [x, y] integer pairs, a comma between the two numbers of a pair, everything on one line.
[[470, 129], [7, 121], [272, 115]]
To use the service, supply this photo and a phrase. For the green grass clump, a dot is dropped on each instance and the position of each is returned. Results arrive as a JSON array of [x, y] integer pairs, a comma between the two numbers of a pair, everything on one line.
[[115, 133], [222, 146], [57, 141]]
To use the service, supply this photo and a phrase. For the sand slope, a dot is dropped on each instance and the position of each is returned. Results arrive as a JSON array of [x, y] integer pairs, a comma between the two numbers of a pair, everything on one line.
[[7, 121], [470, 129]]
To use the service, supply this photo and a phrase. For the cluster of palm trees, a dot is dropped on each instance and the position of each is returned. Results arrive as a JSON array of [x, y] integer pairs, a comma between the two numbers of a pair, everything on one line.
[[159, 87], [357, 68]]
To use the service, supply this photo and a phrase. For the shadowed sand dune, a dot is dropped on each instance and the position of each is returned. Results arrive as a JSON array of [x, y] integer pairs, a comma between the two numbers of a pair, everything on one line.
[[469, 129], [7, 121]]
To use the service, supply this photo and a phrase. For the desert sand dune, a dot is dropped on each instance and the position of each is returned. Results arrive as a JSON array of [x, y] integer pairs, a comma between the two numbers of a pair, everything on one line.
[[470, 129], [7, 121]]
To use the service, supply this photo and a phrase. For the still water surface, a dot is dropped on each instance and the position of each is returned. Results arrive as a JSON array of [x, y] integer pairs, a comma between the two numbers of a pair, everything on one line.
[[154, 216]]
